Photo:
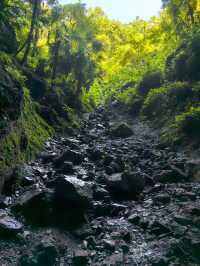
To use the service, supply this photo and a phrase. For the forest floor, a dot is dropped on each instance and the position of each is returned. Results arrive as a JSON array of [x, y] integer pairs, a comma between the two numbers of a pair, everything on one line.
[[111, 195]]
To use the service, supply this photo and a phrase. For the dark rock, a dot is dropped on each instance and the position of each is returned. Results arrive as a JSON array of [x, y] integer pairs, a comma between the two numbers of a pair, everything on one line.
[[121, 131], [26, 260], [69, 156], [36, 205], [117, 208], [72, 198], [66, 168], [47, 253], [95, 154], [100, 193], [174, 174], [160, 261], [159, 228], [71, 143], [28, 181], [108, 158], [126, 185], [162, 198], [114, 168], [80, 258], [47, 157], [177, 229], [101, 209], [5, 201], [183, 220], [83, 231]]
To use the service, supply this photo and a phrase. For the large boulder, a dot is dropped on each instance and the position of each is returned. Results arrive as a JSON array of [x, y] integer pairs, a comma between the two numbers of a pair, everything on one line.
[[72, 198], [121, 130], [126, 185]]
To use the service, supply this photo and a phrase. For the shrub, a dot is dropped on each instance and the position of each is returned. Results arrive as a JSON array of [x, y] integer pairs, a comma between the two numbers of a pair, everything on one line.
[[189, 122], [150, 81], [155, 103], [169, 100]]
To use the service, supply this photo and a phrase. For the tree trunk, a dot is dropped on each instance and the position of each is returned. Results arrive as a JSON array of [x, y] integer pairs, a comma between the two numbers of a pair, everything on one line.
[[56, 49], [191, 13], [36, 8]]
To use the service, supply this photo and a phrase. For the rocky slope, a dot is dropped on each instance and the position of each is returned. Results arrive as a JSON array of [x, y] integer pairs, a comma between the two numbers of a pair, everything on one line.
[[108, 195]]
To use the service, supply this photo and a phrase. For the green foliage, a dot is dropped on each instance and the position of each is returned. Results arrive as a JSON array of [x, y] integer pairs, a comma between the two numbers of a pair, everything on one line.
[[184, 63], [189, 122]]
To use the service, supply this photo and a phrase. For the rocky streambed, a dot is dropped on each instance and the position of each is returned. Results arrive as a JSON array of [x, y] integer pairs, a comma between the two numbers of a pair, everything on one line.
[[110, 195]]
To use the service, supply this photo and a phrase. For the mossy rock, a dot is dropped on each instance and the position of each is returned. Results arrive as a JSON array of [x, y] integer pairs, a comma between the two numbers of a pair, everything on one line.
[[150, 80], [26, 137]]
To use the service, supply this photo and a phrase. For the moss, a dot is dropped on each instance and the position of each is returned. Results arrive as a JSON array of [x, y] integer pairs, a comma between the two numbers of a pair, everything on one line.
[[189, 122], [26, 137], [35, 128]]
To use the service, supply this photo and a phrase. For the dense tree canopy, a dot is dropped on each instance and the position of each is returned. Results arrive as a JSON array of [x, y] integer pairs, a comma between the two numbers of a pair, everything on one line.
[[85, 56]]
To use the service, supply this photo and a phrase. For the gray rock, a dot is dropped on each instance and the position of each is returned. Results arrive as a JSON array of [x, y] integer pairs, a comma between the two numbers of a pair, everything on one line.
[[8, 224]]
